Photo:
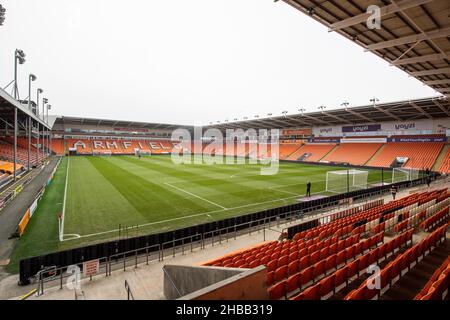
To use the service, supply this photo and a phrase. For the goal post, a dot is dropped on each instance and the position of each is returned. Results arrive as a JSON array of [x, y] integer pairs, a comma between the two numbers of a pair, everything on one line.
[[140, 152], [107, 153], [404, 174], [341, 181]]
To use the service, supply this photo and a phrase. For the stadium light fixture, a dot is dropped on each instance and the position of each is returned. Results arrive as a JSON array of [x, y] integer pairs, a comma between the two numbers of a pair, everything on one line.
[[235, 119], [301, 110], [31, 78], [345, 104], [2, 14], [19, 58], [269, 115], [39, 91], [374, 100], [49, 107], [284, 113], [44, 101], [256, 116], [322, 108], [245, 118]]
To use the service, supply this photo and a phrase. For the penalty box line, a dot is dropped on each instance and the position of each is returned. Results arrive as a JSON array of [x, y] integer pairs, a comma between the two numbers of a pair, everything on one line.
[[196, 196], [76, 236]]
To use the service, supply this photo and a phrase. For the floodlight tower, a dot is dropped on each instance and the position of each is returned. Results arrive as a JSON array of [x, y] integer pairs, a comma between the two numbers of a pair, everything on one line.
[[19, 58], [31, 78], [49, 107]]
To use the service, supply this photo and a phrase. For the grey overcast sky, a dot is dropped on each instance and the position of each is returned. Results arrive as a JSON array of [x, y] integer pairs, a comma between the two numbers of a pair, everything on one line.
[[189, 61]]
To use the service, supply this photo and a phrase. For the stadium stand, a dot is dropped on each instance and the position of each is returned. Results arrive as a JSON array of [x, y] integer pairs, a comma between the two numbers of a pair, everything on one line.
[[421, 155], [353, 153], [116, 146], [445, 165], [7, 153], [438, 284], [286, 149], [319, 262], [58, 147], [312, 152]]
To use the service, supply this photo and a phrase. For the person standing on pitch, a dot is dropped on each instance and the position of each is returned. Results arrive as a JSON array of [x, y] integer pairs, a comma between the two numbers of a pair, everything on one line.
[[308, 189]]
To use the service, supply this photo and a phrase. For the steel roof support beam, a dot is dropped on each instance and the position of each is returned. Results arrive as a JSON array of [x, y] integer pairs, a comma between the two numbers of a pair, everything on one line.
[[418, 108], [438, 33], [337, 118], [434, 82], [427, 58], [447, 112], [389, 9], [430, 72]]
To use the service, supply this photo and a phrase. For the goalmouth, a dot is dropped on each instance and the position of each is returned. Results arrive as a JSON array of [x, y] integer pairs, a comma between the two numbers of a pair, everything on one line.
[[102, 153], [341, 181]]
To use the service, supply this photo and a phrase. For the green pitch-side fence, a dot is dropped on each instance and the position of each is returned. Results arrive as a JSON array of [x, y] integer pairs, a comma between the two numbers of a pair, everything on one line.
[[128, 248]]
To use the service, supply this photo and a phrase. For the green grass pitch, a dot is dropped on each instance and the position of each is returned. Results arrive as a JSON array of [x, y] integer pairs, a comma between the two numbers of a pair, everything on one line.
[[156, 195]]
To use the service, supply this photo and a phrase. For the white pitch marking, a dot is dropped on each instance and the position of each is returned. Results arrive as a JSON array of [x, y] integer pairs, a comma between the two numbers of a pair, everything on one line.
[[196, 196], [61, 231], [186, 217], [141, 225]]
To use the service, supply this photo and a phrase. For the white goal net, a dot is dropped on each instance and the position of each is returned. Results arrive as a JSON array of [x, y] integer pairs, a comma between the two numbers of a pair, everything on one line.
[[139, 152], [101, 153], [346, 180], [404, 174]]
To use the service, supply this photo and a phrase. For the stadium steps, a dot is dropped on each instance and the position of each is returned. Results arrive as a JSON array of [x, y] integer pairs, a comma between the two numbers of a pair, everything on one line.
[[440, 158], [375, 154], [363, 277], [412, 282], [301, 145], [329, 152], [296, 154]]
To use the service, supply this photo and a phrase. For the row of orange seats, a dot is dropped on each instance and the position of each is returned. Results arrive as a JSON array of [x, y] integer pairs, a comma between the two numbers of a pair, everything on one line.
[[438, 283], [351, 271], [307, 270], [421, 155], [315, 151], [353, 153], [399, 267], [436, 219], [365, 215], [243, 255], [445, 164]]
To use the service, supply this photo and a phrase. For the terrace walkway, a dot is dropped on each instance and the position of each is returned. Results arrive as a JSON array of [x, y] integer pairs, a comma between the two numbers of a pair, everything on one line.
[[13, 212]]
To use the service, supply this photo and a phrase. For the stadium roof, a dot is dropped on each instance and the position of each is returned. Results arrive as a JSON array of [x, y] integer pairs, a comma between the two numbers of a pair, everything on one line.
[[7, 106], [62, 120], [427, 108], [414, 34]]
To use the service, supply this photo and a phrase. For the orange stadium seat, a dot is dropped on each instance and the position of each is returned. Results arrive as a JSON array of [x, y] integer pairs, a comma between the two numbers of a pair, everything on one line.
[[445, 164], [353, 153], [316, 151], [422, 155]]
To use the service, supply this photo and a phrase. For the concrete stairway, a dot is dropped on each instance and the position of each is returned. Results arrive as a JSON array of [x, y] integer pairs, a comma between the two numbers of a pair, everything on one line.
[[412, 282], [375, 155], [330, 152], [440, 158]]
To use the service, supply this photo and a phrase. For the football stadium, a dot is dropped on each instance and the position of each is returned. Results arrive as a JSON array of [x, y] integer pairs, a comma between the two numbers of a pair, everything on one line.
[[344, 203]]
